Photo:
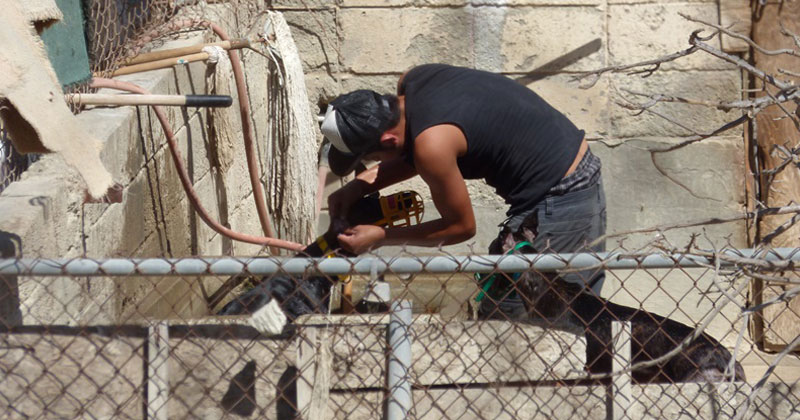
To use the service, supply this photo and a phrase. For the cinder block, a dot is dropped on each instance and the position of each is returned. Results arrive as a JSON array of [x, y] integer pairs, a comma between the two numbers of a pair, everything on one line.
[[198, 157], [463, 3], [641, 32], [381, 84], [427, 35], [72, 373], [283, 5], [402, 3], [587, 108], [534, 36], [207, 241], [244, 218], [315, 36], [735, 15], [639, 196], [128, 224], [713, 86], [121, 156], [323, 88]]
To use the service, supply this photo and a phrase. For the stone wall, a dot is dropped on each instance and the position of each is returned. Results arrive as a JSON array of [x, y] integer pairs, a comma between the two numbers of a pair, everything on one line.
[[544, 44]]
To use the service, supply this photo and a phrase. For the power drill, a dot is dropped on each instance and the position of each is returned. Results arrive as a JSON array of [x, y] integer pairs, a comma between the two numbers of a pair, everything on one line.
[[299, 296]]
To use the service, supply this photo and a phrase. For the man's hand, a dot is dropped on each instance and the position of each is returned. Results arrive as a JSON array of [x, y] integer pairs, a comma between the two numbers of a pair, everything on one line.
[[360, 239]]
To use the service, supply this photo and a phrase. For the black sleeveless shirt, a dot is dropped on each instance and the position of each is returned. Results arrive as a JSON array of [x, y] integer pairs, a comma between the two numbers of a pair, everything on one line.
[[516, 141]]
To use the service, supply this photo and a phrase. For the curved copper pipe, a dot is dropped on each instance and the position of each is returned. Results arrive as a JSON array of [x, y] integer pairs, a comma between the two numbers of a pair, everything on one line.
[[184, 176], [247, 132]]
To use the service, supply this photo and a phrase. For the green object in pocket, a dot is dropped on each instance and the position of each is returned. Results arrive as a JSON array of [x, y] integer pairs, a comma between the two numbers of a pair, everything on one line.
[[488, 282]]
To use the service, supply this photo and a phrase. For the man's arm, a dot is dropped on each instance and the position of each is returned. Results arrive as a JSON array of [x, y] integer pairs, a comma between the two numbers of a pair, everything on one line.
[[436, 151], [435, 155], [373, 179]]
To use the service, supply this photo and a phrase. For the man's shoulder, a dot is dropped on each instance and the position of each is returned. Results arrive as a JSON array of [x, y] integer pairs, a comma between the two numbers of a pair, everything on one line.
[[439, 142]]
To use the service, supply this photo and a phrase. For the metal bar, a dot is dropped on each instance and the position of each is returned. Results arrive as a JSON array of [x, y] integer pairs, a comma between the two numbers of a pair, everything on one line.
[[160, 64], [225, 266], [398, 405]]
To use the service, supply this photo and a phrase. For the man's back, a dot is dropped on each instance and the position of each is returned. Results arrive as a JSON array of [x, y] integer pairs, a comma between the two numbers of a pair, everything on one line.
[[516, 141]]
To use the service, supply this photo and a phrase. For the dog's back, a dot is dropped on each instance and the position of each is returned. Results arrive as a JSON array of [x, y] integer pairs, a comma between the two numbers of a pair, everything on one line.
[[567, 305]]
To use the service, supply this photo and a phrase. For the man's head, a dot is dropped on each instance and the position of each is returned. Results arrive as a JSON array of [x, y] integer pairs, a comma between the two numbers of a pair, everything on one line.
[[355, 124]]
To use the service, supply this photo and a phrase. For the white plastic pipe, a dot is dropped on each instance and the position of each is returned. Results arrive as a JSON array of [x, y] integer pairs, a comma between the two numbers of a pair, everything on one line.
[[398, 380]]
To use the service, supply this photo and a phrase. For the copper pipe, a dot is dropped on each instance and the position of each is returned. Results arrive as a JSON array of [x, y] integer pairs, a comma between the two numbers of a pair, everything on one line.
[[247, 131], [184, 176]]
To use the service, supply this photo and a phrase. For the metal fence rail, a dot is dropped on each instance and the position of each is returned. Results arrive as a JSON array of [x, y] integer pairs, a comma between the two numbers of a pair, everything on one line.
[[777, 257]]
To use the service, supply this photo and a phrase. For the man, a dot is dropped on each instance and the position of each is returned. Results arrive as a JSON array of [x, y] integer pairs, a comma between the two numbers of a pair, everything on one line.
[[447, 124]]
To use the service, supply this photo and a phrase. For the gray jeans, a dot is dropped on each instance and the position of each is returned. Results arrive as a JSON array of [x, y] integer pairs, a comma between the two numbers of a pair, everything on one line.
[[566, 223]]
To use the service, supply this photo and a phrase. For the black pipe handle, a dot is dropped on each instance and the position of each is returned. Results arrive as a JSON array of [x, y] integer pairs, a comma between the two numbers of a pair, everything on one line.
[[209, 101]]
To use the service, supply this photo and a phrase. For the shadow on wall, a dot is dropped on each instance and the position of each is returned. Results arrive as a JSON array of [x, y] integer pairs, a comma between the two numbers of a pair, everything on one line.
[[10, 315], [240, 398], [286, 405]]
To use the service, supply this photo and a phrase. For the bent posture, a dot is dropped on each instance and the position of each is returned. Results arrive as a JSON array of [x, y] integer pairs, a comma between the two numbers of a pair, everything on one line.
[[447, 124]]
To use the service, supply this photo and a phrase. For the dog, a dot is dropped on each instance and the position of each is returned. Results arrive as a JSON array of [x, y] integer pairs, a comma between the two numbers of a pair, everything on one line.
[[548, 297], [295, 295], [311, 294]]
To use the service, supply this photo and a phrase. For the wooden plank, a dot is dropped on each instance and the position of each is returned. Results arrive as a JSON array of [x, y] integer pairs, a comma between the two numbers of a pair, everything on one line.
[[158, 371], [621, 384], [781, 323], [314, 366]]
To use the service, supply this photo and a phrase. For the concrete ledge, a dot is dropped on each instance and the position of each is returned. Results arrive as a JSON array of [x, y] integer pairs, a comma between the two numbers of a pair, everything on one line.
[[676, 401], [449, 353]]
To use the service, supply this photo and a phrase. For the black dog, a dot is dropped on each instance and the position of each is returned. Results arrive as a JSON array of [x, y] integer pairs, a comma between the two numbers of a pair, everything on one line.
[[547, 297], [311, 294]]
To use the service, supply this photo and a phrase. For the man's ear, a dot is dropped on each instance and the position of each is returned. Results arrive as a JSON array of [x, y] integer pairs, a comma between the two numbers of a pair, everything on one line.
[[388, 141]]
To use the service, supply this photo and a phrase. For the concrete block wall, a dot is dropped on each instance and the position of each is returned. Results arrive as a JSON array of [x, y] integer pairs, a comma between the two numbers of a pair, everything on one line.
[[369, 43], [44, 214]]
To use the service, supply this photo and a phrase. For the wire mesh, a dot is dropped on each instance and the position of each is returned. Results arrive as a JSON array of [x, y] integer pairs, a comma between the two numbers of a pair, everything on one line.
[[79, 341], [12, 163], [151, 343]]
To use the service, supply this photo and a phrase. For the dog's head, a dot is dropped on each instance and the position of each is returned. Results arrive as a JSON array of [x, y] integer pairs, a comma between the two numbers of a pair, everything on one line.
[[543, 293]]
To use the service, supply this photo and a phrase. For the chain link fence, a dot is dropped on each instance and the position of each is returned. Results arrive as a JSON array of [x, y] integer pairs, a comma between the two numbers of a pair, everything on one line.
[[143, 337], [678, 332], [12, 164]]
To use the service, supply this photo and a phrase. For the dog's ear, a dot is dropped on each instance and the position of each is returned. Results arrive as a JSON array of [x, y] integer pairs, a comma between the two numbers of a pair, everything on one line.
[[528, 234], [508, 242]]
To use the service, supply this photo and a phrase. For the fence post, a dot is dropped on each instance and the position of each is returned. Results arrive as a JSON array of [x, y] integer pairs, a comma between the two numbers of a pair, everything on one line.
[[399, 403], [314, 370], [158, 371], [621, 384]]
